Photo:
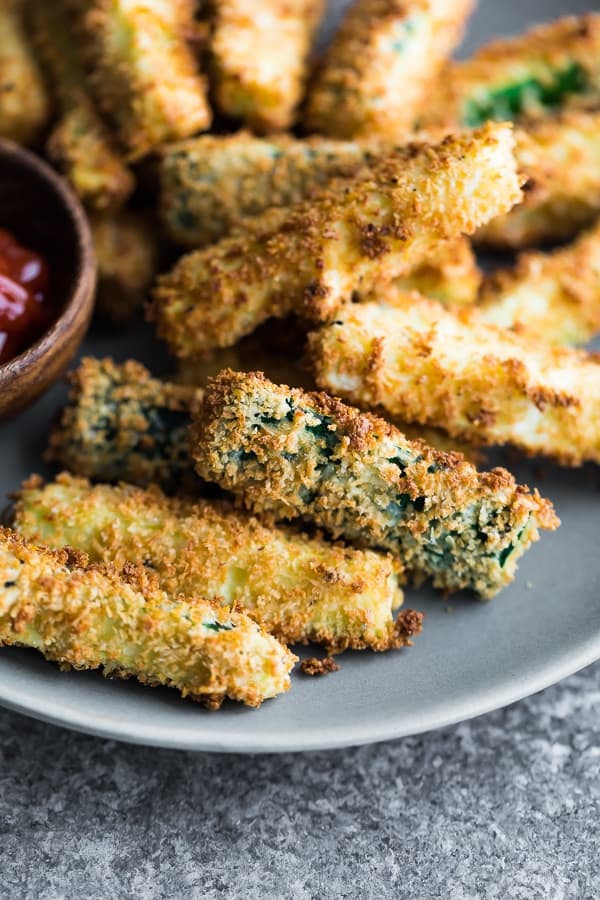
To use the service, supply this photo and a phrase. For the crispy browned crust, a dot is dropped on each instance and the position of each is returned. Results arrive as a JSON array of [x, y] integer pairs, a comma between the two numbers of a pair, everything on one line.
[[297, 587], [24, 102], [88, 616], [259, 58], [381, 66], [314, 666], [293, 454], [120, 423], [81, 144], [452, 370], [554, 296], [127, 251], [536, 53], [356, 232], [143, 73], [560, 159]]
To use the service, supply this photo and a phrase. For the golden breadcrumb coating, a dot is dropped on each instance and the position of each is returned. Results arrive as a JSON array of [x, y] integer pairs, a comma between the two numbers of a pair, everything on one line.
[[80, 143], [122, 424], [352, 234], [143, 72], [560, 158], [24, 103], [554, 296], [298, 455], [259, 58], [379, 71], [551, 66], [126, 245], [296, 587], [427, 364], [88, 617]]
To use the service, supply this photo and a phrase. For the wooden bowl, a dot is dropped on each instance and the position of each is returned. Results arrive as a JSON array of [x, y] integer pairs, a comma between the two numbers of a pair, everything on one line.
[[39, 208]]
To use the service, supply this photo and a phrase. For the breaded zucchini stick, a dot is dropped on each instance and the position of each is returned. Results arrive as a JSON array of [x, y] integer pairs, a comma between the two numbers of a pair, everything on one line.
[[122, 424], [560, 158], [298, 588], [24, 102], [259, 58], [548, 67], [299, 455], [555, 296], [126, 246], [426, 364], [450, 275], [88, 618], [143, 73], [382, 65], [80, 143], [354, 233]]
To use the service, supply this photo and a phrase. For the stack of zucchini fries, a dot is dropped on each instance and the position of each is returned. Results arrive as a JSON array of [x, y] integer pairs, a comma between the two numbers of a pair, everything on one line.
[[341, 357]]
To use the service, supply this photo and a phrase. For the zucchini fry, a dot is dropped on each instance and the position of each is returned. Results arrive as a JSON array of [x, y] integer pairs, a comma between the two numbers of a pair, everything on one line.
[[555, 296], [298, 455], [143, 73], [382, 65], [89, 618], [126, 246], [450, 275], [259, 58], [24, 102], [560, 158], [452, 370], [298, 588], [354, 233], [80, 143], [549, 67], [120, 423]]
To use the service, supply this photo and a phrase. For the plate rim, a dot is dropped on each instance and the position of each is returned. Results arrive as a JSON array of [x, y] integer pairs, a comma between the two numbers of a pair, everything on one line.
[[336, 738]]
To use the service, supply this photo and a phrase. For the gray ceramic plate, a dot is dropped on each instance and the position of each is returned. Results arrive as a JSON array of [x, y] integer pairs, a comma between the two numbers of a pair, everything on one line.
[[471, 658]]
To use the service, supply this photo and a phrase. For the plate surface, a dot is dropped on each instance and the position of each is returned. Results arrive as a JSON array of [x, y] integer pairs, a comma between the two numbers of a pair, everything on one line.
[[472, 657]]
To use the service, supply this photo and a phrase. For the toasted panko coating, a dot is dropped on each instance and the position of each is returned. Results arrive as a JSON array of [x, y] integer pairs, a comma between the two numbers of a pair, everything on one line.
[[554, 296], [122, 424], [87, 617], [297, 455], [378, 225], [550, 66], [126, 245], [24, 102], [81, 144], [143, 73], [453, 370], [296, 587], [560, 158], [381, 66], [260, 57]]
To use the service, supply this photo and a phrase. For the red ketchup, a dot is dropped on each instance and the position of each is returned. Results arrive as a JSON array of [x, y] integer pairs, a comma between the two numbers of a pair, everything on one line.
[[24, 313]]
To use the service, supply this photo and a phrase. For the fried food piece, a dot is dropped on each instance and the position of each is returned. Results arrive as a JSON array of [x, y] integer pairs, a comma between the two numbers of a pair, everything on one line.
[[89, 618], [296, 587], [452, 370], [555, 296], [259, 58], [24, 102], [560, 157], [298, 455], [122, 424], [210, 183], [382, 65], [127, 252], [549, 67], [143, 73], [450, 275], [80, 143], [354, 233]]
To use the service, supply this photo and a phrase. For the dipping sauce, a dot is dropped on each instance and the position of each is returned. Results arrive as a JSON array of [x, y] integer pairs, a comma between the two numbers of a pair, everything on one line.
[[24, 312]]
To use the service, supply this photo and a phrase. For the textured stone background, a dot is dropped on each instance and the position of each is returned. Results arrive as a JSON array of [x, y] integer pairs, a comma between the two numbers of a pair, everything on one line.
[[505, 806]]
